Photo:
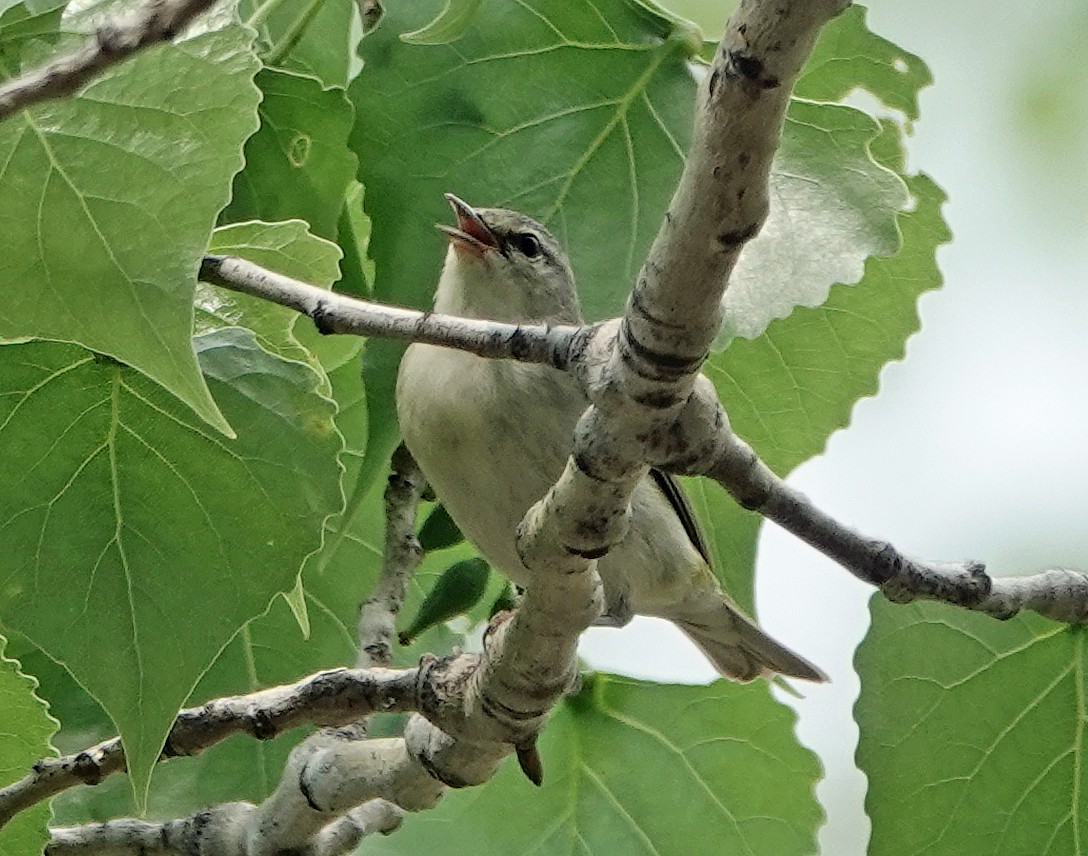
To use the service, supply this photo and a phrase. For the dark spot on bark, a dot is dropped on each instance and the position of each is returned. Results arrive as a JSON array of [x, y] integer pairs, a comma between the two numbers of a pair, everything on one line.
[[322, 320], [638, 305], [729, 240], [594, 553], [585, 466], [86, 769], [744, 66], [520, 344], [743, 158], [657, 400], [305, 791], [667, 365], [741, 193], [262, 726], [715, 79]]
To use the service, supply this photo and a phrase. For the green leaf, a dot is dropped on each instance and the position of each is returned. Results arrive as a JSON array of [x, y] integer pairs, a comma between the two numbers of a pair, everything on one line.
[[449, 26], [439, 530], [296, 602], [972, 732], [298, 164], [460, 587], [789, 389], [632, 767], [586, 132], [318, 34], [270, 650], [152, 143], [286, 248], [22, 22], [125, 517], [550, 107], [24, 738], [848, 56], [353, 234], [832, 207]]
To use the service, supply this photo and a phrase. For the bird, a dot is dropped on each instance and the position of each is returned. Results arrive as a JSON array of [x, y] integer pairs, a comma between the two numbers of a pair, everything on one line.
[[492, 436]]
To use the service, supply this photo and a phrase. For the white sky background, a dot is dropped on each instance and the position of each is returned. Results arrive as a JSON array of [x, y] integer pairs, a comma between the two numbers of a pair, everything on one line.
[[975, 446]]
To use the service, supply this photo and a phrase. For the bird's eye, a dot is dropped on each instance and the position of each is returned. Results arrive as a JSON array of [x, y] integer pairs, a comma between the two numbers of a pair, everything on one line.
[[528, 244]]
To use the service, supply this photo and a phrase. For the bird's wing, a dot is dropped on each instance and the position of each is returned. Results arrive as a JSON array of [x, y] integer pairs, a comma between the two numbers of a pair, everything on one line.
[[674, 493]]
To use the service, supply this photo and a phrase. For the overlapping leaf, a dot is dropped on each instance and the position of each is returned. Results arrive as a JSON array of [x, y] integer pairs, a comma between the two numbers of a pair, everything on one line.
[[631, 767], [972, 733], [298, 164], [287, 248], [125, 517], [109, 200], [268, 651], [848, 57], [24, 738], [312, 37]]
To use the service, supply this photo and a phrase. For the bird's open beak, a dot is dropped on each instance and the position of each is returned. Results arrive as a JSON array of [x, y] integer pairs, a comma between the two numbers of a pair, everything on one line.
[[471, 232]]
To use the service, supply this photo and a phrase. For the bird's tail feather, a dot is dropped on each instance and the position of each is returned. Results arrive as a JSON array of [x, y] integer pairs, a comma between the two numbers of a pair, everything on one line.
[[738, 649]]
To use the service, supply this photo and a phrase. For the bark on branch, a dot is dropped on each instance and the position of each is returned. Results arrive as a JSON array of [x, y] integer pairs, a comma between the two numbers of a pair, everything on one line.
[[113, 42], [331, 698], [338, 313]]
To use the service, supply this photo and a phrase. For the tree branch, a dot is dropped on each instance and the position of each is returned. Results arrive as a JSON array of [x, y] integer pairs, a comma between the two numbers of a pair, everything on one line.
[[338, 313], [400, 558], [330, 698], [114, 41], [649, 405], [1059, 594]]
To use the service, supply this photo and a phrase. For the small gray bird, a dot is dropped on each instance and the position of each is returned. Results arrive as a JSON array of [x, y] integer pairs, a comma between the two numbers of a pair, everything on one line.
[[492, 436]]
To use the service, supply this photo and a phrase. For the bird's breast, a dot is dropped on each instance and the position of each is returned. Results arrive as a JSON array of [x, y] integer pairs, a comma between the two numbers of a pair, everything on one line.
[[491, 437]]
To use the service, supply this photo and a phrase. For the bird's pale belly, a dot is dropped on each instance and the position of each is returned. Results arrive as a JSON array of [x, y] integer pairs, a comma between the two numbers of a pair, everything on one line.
[[485, 459], [488, 462]]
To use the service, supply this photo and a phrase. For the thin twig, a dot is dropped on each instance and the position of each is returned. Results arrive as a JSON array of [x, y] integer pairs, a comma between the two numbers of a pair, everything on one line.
[[113, 42]]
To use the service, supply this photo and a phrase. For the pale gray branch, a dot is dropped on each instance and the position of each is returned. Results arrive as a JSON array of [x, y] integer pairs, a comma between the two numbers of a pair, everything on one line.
[[1059, 594], [334, 697], [201, 832], [639, 373], [400, 558], [114, 41], [338, 313]]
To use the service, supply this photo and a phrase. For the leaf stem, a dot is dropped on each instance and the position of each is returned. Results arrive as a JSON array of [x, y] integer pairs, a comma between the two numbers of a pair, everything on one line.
[[294, 33]]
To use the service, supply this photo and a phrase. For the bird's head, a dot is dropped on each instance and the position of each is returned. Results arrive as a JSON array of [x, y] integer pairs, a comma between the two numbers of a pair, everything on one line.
[[505, 266]]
